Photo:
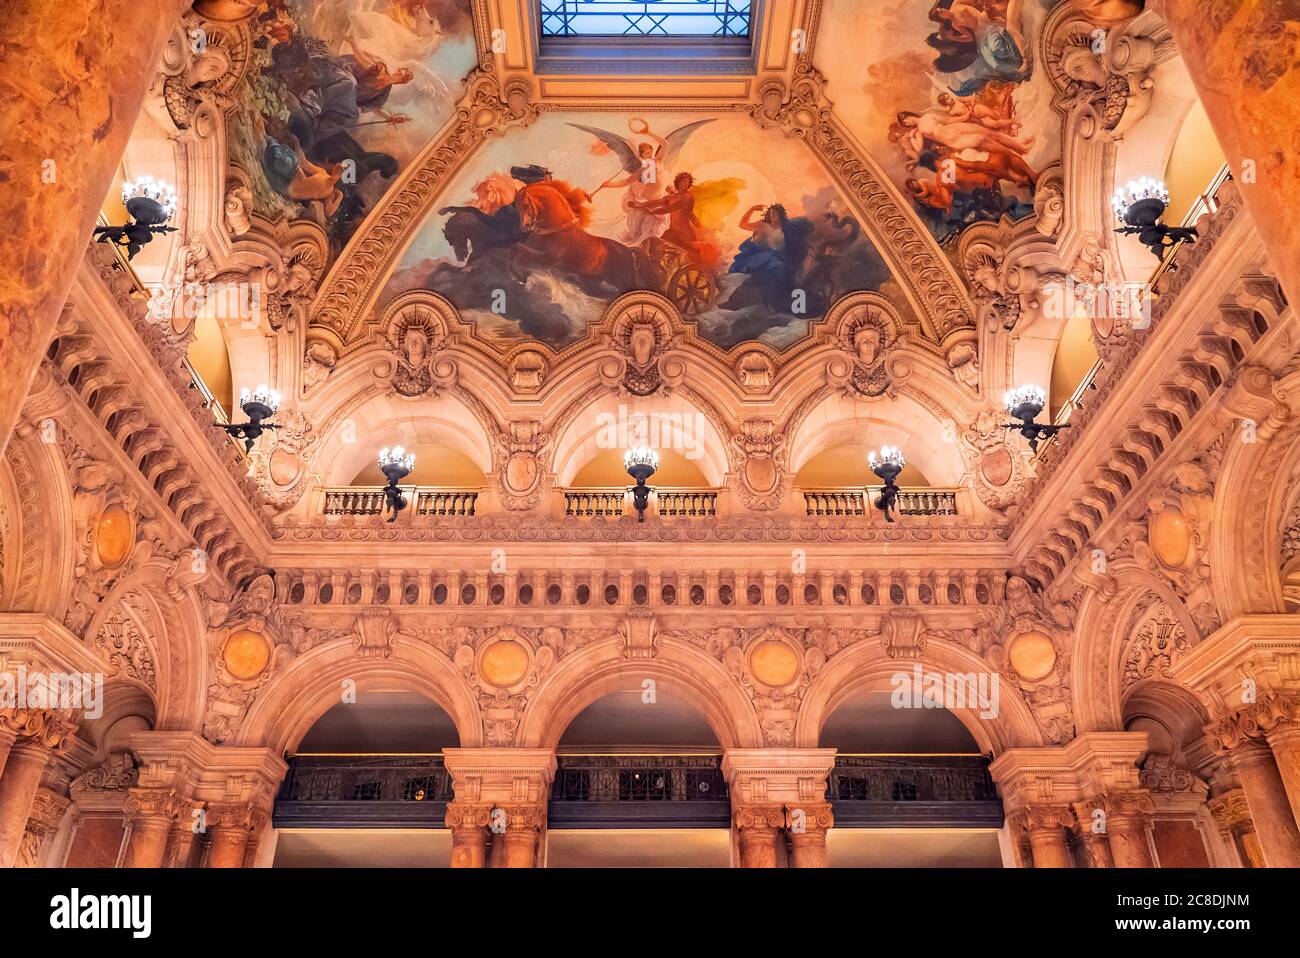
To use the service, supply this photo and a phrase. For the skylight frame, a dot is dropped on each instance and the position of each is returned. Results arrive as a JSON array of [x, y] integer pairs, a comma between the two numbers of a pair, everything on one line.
[[647, 19], [648, 55]]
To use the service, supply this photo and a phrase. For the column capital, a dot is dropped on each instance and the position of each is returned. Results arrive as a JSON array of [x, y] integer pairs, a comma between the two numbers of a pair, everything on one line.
[[160, 806], [48, 808], [52, 730], [809, 818], [757, 817], [1133, 804], [523, 816], [1271, 714], [229, 817], [467, 815], [1043, 818], [1231, 812]]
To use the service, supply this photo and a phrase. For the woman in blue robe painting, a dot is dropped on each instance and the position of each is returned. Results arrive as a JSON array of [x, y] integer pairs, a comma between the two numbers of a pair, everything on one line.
[[772, 259]]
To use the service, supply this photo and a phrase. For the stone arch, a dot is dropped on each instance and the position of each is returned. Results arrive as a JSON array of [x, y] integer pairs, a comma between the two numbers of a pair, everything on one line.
[[356, 434], [597, 670], [864, 666], [1249, 517], [45, 537], [904, 422], [592, 423], [1102, 631], [312, 683], [172, 622]]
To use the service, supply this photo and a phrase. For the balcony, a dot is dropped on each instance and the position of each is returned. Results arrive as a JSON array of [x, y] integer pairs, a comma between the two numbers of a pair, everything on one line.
[[913, 791], [613, 501], [639, 791], [363, 791], [857, 501], [428, 500]]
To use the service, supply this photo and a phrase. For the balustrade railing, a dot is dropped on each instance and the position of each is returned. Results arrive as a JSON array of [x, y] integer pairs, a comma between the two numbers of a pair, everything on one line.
[[639, 791], [913, 790], [428, 500], [616, 501], [849, 501], [374, 791]]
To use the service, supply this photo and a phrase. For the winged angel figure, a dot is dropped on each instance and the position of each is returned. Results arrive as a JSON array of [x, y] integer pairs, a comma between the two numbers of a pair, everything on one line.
[[648, 163]]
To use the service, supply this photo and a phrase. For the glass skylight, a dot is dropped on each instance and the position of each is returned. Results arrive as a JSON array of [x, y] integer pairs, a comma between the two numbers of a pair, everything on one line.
[[645, 18]]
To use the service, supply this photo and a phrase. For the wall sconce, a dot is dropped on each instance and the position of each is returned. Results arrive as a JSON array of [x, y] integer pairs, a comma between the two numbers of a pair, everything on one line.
[[1025, 403], [258, 405], [396, 464], [151, 204], [887, 465], [1139, 206], [640, 464]]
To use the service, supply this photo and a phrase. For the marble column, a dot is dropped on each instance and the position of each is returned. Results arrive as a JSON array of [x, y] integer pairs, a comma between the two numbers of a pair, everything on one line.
[[1090, 830], [7, 738], [180, 839], [150, 812], [1270, 808], [758, 828], [1284, 740], [229, 828], [1046, 825], [1232, 814], [807, 825], [524, 824], [468, 824], [18, 786], [48, 810], [1128, 818], [72, 80], [1241, 58]]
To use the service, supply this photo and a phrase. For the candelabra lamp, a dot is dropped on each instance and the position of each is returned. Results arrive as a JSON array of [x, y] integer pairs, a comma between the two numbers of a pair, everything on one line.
[[259, 405], [1024, 404], [396, 464], [640, 464], [887, 464], [1139, 207], [151, 204]]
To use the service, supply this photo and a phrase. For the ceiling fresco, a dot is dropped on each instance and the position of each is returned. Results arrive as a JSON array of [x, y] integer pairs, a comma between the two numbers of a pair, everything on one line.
[[949, 98], [340, 96], [739, 226]]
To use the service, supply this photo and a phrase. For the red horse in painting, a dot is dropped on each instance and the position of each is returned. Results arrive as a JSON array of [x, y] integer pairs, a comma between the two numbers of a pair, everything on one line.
[[553, 217]]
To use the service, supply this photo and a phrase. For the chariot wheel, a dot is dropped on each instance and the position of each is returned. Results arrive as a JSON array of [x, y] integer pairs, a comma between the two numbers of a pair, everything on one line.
[[692, 290]]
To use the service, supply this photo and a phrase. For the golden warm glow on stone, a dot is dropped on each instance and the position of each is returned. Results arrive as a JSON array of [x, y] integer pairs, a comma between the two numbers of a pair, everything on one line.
[[246, 654], [1032, 655], [113, 535], [1171, 537], [774, 663], [503, 663]]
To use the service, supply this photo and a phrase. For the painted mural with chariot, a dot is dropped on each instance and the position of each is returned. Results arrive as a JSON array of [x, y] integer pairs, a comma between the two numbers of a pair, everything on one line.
[[739, 227]]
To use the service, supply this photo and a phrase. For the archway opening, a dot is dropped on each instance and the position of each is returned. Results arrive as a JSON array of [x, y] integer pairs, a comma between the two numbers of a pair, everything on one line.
[[1176, 770], [367, 786], [848, 466], [909, 787], [437, 466], [639, 784]]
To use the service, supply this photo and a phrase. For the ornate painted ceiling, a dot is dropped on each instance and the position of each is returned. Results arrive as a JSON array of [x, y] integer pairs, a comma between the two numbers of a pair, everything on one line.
[[400, 145]]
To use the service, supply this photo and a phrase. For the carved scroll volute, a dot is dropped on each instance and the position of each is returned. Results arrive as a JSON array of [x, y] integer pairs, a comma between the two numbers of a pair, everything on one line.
[[1102, 76]]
